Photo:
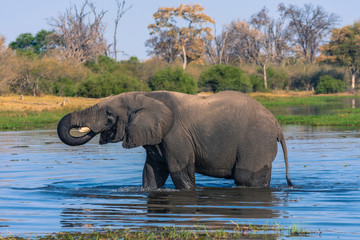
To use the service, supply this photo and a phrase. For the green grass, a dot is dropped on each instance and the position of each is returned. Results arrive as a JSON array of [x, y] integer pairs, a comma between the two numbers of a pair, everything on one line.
[[345, 118], [27, 120], [237, 232], [279, 101]]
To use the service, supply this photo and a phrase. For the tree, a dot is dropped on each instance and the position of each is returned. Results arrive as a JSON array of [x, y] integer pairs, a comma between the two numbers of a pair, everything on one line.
[[262, 41], [79, 34], [27, 42], [190, 36], [273, 40], [344, 49], [309, 26], [121, 10], [23, 41], [164, 45], [217, 49], [8, 66]]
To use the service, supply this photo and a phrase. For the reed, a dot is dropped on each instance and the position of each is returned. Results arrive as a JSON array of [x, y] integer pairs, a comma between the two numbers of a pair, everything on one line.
[[170, 232]]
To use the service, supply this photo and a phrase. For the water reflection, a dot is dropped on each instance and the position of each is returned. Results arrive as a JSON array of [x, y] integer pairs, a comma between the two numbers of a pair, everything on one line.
[[203, 206]]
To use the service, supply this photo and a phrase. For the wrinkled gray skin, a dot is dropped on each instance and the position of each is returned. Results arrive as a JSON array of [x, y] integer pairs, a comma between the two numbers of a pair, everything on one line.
[[225, 135]]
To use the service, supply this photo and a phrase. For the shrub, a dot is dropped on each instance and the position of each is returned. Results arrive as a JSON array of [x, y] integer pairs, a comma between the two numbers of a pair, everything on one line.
[[276, 78], [328, 84], [224, 77], [106, 84], [257, 83], [173, 80]]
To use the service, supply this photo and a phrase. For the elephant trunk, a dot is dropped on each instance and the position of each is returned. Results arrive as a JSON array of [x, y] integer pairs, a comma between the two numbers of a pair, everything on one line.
[[66, 124]]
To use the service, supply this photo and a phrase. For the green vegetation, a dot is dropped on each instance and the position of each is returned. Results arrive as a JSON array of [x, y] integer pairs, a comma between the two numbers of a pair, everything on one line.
[[173, 80], [328, 84], [345, 117], [239, 232], [224, 77], [272, 100], [26, 120]]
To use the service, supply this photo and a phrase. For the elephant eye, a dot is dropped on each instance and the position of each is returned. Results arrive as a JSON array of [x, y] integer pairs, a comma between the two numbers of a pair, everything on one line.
[[108, 113]]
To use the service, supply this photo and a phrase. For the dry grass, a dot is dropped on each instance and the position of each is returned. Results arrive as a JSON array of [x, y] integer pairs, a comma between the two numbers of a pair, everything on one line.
[[45, 102]]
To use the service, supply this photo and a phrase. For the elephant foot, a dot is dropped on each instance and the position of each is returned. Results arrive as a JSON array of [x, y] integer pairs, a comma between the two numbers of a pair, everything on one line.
[[247, 178], [183, 180]]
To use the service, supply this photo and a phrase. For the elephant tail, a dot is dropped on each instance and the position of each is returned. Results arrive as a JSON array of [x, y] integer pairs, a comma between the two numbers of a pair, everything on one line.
[[283, 145]]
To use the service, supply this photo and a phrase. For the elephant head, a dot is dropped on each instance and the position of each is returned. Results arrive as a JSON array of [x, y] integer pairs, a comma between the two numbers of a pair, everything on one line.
[[133, 118]]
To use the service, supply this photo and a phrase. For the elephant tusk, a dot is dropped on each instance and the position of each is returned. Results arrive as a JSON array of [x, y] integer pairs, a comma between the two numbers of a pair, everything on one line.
[[84, 130]]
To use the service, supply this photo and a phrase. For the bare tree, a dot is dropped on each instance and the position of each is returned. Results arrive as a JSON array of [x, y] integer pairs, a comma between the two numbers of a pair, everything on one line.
[[80, 33], [273, 40], [216, 48], [164, 45], [310, 26], [121, 10], [245, 42], [8, 66], [262, 41]]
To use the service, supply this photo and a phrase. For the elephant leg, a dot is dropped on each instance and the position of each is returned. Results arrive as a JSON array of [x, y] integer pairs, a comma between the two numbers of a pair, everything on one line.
[[155, 171], [247, 178], [184, 179], [181, 162], [254, 163]]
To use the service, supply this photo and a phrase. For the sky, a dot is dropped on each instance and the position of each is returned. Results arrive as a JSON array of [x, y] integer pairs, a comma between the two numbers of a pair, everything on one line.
[[24, 16]]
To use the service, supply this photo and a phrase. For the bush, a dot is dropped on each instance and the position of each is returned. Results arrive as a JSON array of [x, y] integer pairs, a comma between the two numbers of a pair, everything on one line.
[[63, 87], [257, 83], [106, 84], [328, 84], [224, 77], [276, 78], [173, 80]]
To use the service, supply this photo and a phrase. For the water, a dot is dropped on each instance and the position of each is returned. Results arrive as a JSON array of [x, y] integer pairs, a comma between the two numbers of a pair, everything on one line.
[[330, 107], [48, 187]]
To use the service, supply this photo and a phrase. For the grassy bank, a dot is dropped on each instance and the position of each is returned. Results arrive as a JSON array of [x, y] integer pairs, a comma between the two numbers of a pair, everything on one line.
[[238, 232], [25, 113], [345, 117]]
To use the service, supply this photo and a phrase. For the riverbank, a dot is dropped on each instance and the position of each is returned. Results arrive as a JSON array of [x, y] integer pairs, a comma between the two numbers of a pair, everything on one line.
[[27, 112], [305, 108]]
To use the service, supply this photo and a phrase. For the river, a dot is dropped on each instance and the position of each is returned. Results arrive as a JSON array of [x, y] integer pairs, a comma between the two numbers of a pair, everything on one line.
[[47, 186]]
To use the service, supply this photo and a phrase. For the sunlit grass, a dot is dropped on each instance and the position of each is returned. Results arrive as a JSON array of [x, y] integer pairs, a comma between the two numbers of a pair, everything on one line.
[[26, 120], [25, 113]]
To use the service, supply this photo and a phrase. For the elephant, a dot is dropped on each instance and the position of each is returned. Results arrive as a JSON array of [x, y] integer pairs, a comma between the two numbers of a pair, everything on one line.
[[225, 135]]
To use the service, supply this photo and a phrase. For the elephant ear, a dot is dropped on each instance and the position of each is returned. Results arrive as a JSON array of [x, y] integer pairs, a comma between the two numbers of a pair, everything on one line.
[[148, 124]]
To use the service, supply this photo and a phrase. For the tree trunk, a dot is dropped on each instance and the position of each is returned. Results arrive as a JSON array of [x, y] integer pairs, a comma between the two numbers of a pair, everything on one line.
[[115, 50], [353, 74], [265, 76], [184, 57]]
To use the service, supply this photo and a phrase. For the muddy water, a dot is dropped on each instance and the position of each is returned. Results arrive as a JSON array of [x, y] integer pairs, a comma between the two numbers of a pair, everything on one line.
[[46, 186]]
